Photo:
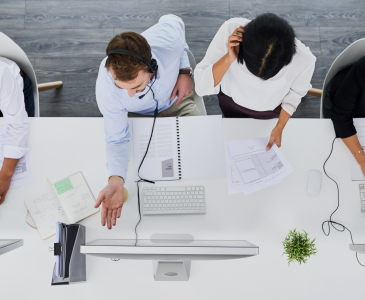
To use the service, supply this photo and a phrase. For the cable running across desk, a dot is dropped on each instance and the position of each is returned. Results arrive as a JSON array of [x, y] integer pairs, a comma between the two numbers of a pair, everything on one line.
[[330, 222]]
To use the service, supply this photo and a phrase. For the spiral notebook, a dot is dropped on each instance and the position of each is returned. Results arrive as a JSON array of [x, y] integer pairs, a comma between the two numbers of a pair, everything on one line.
[[181, 148]]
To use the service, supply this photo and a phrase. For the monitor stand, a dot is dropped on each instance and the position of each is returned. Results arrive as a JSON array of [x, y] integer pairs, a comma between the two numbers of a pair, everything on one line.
[[171, 270]]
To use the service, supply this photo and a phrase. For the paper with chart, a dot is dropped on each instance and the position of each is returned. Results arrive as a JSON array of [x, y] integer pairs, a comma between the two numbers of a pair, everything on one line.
[[22, 174], [46, 210], [251, 168], [356, 173]]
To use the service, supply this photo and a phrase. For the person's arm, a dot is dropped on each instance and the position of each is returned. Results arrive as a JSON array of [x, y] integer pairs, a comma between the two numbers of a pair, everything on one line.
[[221, 66], [354, 146], [13, 109], [6, 173], [117, 153], [345, 100], [298, 89], [205, 82]]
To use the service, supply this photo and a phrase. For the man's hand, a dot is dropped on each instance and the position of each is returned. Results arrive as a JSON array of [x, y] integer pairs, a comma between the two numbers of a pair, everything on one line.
[[6, 173], [112, 197], [275, 137], [4, 186], [183, 87]]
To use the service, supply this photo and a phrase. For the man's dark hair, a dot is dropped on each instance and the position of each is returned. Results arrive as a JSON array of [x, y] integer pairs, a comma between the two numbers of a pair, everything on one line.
[[125, 67], [268, 44]]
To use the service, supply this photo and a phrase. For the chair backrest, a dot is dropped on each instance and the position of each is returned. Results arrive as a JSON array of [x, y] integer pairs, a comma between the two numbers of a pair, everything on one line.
[[10, 50], [347, 57], [198, 100]]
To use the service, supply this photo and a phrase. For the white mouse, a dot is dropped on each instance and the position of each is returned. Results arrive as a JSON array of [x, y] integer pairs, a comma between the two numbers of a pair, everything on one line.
[[314, 182]]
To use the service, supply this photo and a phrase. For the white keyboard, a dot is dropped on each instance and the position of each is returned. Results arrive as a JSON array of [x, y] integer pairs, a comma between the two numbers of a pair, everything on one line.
[[173, 200]]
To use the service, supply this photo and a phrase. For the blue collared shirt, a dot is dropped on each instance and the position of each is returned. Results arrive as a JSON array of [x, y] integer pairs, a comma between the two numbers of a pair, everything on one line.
[[169, 48]]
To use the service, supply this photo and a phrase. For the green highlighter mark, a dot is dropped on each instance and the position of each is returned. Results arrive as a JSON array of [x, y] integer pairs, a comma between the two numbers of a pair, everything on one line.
[[63, 186]]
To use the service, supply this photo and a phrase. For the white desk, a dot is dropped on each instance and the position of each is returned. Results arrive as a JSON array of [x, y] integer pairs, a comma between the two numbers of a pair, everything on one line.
[[63, 146]]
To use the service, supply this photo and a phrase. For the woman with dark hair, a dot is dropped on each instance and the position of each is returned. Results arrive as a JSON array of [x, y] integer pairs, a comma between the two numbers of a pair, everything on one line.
[[257, 68]]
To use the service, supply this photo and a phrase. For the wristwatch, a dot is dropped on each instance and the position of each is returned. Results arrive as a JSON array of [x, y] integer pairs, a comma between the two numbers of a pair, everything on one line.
[[187, 71]]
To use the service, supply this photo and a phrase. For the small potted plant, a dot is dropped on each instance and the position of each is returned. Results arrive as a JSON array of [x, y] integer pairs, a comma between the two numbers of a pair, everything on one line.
[[298, 247]]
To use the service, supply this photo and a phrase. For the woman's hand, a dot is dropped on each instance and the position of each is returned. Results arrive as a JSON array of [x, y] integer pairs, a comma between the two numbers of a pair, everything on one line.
[[275, 137], [233, 43], [278, 130], [221, 66]]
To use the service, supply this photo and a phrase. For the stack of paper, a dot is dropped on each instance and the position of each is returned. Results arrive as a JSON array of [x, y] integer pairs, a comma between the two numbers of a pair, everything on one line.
[[22, 174], [251, 168]]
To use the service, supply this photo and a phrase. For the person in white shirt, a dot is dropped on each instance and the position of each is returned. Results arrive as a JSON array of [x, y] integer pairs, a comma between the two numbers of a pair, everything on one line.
[[258, 68], [126, 87], [15, 94]]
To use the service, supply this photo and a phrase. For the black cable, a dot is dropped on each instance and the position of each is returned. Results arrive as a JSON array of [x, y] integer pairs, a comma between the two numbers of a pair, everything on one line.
[[140, 165], [330, 222]]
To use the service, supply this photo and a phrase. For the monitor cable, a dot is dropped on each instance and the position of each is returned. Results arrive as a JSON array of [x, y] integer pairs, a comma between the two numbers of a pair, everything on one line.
[[144, 156], [330, 222]]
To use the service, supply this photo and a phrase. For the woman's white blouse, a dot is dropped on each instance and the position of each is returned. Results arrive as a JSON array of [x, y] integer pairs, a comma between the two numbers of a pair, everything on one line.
[[288, 86]]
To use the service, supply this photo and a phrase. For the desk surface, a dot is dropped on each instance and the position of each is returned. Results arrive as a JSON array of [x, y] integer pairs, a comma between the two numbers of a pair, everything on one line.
[[63, 146]]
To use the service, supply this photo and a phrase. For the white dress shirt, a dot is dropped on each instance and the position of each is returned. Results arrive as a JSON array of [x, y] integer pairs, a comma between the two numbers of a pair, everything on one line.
[[169, 48], [289, 85], [13, 109]]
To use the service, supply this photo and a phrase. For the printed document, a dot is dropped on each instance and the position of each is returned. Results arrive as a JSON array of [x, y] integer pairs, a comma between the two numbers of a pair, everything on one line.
[[251, 168], [22, 174]]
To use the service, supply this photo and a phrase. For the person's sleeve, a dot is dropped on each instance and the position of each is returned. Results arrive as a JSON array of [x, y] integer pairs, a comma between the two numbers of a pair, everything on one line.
[[298, 89], [178, 31], [346, 98], [203, 73], [117, 134], [13, 109]]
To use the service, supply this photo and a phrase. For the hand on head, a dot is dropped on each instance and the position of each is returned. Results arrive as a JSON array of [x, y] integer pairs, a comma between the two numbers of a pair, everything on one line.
[[112, 199], [233, 43]]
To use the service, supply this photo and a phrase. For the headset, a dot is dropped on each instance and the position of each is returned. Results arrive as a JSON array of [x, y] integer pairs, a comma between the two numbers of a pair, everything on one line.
[[152, 66]]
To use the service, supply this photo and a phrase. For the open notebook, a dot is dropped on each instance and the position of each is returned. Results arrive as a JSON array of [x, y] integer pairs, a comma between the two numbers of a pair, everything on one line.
[[67, 201], [181, 148]]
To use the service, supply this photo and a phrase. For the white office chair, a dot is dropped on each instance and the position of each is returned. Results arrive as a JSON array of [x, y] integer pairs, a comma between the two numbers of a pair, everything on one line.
[[346, 58], [198, 100], [10, 50]]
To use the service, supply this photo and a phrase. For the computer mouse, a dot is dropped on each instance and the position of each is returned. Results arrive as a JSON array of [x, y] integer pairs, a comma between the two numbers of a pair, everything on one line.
[[314, 182]]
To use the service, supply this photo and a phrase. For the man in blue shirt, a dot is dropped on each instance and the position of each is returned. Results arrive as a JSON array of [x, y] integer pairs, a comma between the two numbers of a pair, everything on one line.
[[121, 82]]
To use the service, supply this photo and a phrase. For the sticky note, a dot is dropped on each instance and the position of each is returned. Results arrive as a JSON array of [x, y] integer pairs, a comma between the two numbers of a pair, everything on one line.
[[63, 186]]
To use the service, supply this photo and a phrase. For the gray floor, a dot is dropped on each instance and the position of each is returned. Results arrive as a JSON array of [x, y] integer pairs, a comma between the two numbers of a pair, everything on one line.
[[66, 40]]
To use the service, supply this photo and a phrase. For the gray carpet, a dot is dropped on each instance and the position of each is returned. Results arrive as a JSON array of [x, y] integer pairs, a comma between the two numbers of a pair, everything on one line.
[[66, 40]]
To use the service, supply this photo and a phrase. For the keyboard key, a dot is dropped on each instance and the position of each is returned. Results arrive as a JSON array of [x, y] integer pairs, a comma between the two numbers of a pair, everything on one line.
[[200, 197], [201, 188], [188, 188], [193, 188], [162, 189]]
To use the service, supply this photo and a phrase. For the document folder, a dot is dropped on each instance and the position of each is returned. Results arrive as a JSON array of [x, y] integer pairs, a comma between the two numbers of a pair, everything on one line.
[[71, 262]]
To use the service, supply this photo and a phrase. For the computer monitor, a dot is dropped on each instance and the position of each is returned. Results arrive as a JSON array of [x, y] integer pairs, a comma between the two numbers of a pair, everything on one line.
[[8, 245], [360, 248], [171, 254]]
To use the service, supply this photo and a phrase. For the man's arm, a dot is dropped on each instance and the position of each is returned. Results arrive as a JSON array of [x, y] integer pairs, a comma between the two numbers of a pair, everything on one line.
[[117, 150], [13, 109], [6, 173]]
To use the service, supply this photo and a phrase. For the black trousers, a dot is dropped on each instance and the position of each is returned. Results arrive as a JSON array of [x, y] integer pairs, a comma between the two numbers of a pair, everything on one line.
[[28, 96]]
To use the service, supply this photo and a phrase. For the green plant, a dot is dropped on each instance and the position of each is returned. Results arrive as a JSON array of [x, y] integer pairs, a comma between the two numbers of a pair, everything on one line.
[[298, 247]]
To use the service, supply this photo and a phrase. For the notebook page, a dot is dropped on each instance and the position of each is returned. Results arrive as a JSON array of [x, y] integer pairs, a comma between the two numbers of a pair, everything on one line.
[[202, 147], [45, 210], [161, 162], [76, 197]]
